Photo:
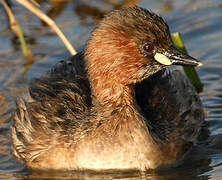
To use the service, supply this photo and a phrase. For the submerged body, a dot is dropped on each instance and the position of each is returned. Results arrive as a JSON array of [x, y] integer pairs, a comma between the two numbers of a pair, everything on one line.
[[104, 108]]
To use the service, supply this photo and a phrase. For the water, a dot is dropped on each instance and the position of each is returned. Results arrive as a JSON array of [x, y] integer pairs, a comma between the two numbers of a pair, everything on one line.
[[200, 23]]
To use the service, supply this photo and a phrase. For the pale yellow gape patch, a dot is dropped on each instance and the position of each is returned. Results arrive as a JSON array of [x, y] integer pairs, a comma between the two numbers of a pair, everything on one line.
[[162, 59]]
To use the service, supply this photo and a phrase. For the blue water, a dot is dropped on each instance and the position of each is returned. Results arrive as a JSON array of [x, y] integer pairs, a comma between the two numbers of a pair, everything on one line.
[[200, 24]]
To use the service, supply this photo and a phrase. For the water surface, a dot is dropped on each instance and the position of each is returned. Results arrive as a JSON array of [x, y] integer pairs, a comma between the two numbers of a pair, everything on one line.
[[200, 23]]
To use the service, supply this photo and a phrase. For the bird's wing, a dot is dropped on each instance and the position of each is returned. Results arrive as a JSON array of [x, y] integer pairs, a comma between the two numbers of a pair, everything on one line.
[[57, 107], [171, 106]]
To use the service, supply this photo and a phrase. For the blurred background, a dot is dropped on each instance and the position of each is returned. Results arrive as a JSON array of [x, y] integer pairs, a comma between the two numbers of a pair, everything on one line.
[[199, 22]]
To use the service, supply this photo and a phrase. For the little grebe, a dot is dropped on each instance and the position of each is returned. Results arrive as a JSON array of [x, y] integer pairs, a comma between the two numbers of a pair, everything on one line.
[[104, 109]]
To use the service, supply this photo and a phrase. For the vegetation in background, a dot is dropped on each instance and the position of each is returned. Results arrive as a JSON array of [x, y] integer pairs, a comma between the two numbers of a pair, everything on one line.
[[189, 71], [15, 27]]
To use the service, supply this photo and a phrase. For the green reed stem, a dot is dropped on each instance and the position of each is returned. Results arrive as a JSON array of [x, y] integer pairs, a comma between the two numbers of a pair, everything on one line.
[[189, 71]]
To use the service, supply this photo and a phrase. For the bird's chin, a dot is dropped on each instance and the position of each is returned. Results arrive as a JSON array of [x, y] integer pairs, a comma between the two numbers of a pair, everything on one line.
[[155, 70], [159, 74]]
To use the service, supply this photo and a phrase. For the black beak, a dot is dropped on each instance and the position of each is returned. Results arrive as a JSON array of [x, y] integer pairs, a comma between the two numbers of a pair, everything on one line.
[[179, 58]]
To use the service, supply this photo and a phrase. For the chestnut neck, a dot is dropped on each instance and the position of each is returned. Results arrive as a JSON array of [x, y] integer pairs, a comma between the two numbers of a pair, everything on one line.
[[111, 94], [114, 65]]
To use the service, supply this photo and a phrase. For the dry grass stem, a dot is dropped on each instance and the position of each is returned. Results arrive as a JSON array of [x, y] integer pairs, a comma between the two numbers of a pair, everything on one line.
[[34, 9], [14, 25], [35, 3]]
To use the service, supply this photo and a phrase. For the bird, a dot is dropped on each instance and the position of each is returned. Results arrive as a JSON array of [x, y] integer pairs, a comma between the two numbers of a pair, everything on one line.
[[114, 105]]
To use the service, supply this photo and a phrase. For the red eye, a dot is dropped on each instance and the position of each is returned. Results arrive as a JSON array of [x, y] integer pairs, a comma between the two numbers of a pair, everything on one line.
[[148, 47]]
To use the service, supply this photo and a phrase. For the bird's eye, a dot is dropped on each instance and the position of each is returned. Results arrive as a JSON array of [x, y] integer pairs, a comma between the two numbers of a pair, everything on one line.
[[148, 47]]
